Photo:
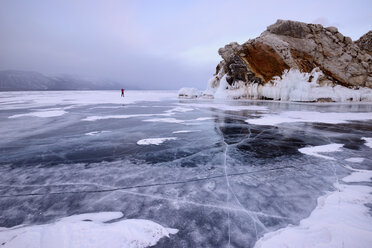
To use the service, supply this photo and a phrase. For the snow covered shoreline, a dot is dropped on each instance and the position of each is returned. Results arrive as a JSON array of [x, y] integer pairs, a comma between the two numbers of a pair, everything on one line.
[[292, 86]]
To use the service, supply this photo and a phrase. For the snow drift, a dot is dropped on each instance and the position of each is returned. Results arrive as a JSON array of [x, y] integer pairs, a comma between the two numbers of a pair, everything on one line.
[[86, 230]]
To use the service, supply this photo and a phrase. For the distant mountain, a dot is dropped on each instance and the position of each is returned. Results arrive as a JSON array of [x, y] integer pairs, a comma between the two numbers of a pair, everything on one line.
[[12, 80]]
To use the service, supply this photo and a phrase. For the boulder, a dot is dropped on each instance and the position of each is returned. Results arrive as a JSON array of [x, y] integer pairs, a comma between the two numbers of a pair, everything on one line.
[[288, 45]]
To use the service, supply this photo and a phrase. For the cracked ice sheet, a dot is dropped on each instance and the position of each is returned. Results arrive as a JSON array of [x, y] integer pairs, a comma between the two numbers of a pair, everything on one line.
[[87, 230], [180, 183], [309, 116]]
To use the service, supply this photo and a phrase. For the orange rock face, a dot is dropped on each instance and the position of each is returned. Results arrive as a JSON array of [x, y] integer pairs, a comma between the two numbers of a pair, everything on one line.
[[263, 60]]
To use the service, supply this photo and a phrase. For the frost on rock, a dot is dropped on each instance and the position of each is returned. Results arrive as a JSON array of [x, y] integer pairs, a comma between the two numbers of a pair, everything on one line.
[[188, 93]]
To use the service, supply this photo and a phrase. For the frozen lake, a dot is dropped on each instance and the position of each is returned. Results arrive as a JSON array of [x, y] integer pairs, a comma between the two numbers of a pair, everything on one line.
[[223, 173]]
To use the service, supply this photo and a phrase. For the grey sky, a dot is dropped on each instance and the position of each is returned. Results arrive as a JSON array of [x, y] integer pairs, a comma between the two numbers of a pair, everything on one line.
[[153, 44]]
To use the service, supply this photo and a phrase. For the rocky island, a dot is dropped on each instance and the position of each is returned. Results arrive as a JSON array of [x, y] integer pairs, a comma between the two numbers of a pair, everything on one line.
[[294, 61]]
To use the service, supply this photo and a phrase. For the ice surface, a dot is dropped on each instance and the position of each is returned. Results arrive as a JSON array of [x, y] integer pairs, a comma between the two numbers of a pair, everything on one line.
[[315, 150], [228, 183], [154, 141], [87, 230]]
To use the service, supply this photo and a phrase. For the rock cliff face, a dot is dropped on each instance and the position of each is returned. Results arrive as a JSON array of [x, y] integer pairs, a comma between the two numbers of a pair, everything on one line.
[[324, 55], [365, 42]]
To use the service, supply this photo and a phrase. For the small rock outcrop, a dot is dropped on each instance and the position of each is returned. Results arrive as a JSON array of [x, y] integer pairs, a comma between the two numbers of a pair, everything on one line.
[[290, 45]]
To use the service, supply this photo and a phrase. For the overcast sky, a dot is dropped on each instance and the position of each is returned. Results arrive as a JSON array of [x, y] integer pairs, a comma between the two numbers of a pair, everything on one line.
[[154, 44]]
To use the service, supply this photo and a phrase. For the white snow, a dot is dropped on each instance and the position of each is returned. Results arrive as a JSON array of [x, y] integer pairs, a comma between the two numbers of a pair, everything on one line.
[[86, 230], [154, 141], [358, 176], [309, 116], [189, 93], [186, 131], [42, 114], [368, 141], [293, 85], [166, 120], [354, 160], [315, 150], [340, 220]]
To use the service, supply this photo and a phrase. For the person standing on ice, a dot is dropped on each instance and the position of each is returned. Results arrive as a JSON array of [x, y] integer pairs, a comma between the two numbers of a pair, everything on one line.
[[122, 92]]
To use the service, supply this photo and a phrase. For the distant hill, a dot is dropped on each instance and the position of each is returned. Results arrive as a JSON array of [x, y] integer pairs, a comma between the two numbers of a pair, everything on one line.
[[12, 80]]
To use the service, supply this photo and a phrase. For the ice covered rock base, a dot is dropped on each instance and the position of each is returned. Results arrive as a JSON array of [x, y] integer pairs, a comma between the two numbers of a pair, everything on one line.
[[294, 61]]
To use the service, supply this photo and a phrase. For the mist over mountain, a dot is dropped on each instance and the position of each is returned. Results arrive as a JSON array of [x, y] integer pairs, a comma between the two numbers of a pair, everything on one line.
[[13, 80]]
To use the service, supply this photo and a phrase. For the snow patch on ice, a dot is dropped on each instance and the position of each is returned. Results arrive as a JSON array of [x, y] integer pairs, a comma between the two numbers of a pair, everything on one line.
[[166, 120], [87, 230], [186, 131], [154, 141], [354, 160], [368, 141], [358, 176], [204, 118], [340, 220], [42, 114], [315, 150], [308, 116], [96, 133]]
